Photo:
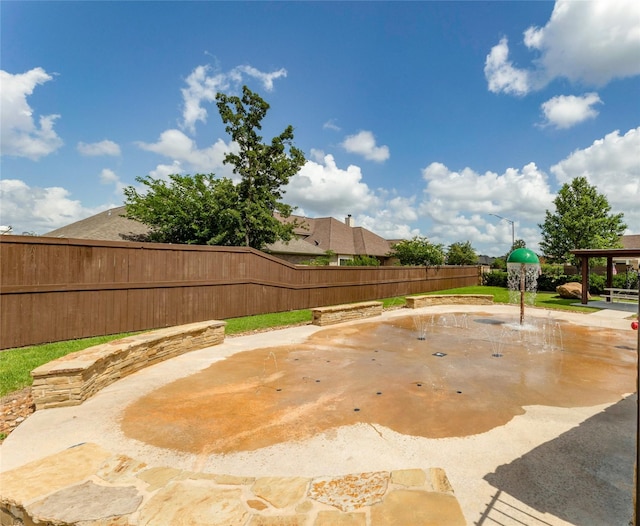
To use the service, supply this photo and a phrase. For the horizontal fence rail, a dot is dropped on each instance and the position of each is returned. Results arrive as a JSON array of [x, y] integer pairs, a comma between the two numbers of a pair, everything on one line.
[[55, 289]]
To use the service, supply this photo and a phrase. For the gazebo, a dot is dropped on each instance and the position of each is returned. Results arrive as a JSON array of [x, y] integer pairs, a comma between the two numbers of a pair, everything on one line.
[[610, 254]]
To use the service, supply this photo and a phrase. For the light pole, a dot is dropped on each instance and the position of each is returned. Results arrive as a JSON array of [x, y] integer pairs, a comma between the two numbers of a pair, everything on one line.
[[513, 228]]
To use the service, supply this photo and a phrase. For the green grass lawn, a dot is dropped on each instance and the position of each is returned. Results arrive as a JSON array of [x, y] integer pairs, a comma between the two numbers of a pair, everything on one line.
[[267, 321], [16, 364], [547, 300]]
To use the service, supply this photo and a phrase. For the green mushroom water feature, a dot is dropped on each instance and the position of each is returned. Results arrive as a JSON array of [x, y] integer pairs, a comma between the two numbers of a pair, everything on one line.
[[523, 269]]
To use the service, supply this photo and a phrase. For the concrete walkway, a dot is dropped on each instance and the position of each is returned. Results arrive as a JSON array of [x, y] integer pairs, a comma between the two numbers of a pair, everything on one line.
[[546, 466]]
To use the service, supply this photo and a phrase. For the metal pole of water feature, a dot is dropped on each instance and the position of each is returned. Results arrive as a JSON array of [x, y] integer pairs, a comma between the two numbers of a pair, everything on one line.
[[522, 291], [524, 257]]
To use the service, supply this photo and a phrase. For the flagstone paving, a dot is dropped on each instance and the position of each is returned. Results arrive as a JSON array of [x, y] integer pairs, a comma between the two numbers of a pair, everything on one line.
[[87, 485]]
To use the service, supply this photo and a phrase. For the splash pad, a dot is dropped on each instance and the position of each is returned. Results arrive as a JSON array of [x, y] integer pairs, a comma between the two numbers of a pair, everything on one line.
[[579, 447], [420, 374]]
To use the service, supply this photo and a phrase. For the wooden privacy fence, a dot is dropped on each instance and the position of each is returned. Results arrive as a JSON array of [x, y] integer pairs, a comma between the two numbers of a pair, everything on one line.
[[55, 289]]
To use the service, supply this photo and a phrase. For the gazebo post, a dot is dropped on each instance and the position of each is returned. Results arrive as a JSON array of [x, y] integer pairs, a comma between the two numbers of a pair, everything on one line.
[[585, 279], [610, 267]]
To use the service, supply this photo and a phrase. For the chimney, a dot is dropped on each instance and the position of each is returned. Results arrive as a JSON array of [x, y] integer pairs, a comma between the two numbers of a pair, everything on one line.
[[348, 220]]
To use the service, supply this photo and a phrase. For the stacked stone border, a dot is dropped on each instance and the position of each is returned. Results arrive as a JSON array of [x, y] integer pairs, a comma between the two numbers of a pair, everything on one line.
[[89, 486], [72, 379], [417, 302], [348, 312]]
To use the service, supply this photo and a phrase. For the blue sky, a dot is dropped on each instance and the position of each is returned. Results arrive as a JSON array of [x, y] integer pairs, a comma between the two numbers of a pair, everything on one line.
[[418, 118]]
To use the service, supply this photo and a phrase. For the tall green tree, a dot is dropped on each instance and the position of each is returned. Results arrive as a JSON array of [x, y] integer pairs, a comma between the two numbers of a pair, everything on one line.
[[264, 168], [198, 210], [582, 219], [461, 253], [203, 209], [418, 251]]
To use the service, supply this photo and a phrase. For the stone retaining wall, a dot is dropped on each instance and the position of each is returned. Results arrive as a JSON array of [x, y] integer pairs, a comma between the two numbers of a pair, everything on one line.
[[416, 302], [72, 379], [348, 312]]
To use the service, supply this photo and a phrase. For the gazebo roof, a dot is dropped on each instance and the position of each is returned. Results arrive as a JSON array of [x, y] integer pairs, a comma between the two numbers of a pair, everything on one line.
[[606, 252]]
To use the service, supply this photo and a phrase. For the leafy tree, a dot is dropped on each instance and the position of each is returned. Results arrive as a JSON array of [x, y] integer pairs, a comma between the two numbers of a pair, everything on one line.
[[205, 210], [518, 243], [460, 253], [418, 251], [264, 168], [499, 264], [198, 210], [582, 220]]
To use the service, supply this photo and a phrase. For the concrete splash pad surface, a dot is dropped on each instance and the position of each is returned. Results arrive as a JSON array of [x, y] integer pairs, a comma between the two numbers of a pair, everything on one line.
[[477, 455], [380, 373]]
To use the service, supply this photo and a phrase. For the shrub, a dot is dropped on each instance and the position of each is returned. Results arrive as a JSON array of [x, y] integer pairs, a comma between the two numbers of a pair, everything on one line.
[[625, 281], [495, 278], [552, 277], [362, 261], [596, 282]]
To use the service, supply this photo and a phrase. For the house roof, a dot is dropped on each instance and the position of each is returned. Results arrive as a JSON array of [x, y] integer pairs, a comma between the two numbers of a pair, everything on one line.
[[295, 246], [314, 235], [109, 225], [631, 241], [328, 233]]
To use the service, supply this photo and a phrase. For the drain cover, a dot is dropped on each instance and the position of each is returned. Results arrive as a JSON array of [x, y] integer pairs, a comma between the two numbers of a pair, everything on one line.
[[439, 354]]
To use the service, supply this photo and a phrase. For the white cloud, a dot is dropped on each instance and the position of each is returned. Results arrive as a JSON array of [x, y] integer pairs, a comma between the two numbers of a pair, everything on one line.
[[109, 177], [565, 111], [612, 164], [386, 226], [177, 146], [162, 171], [203, 87], [402, 208], [317, 155], [364, 143], [331, 125], [323, 189], [200, 88], [390, 220], [591, 42], [40, 210], [501, 74], [99, 148], [523, 192], [266, 78], [326, 190], [21, 136], [460, 204]]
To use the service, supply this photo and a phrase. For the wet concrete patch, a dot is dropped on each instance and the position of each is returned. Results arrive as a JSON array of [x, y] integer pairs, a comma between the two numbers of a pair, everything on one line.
[[338, 376]]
